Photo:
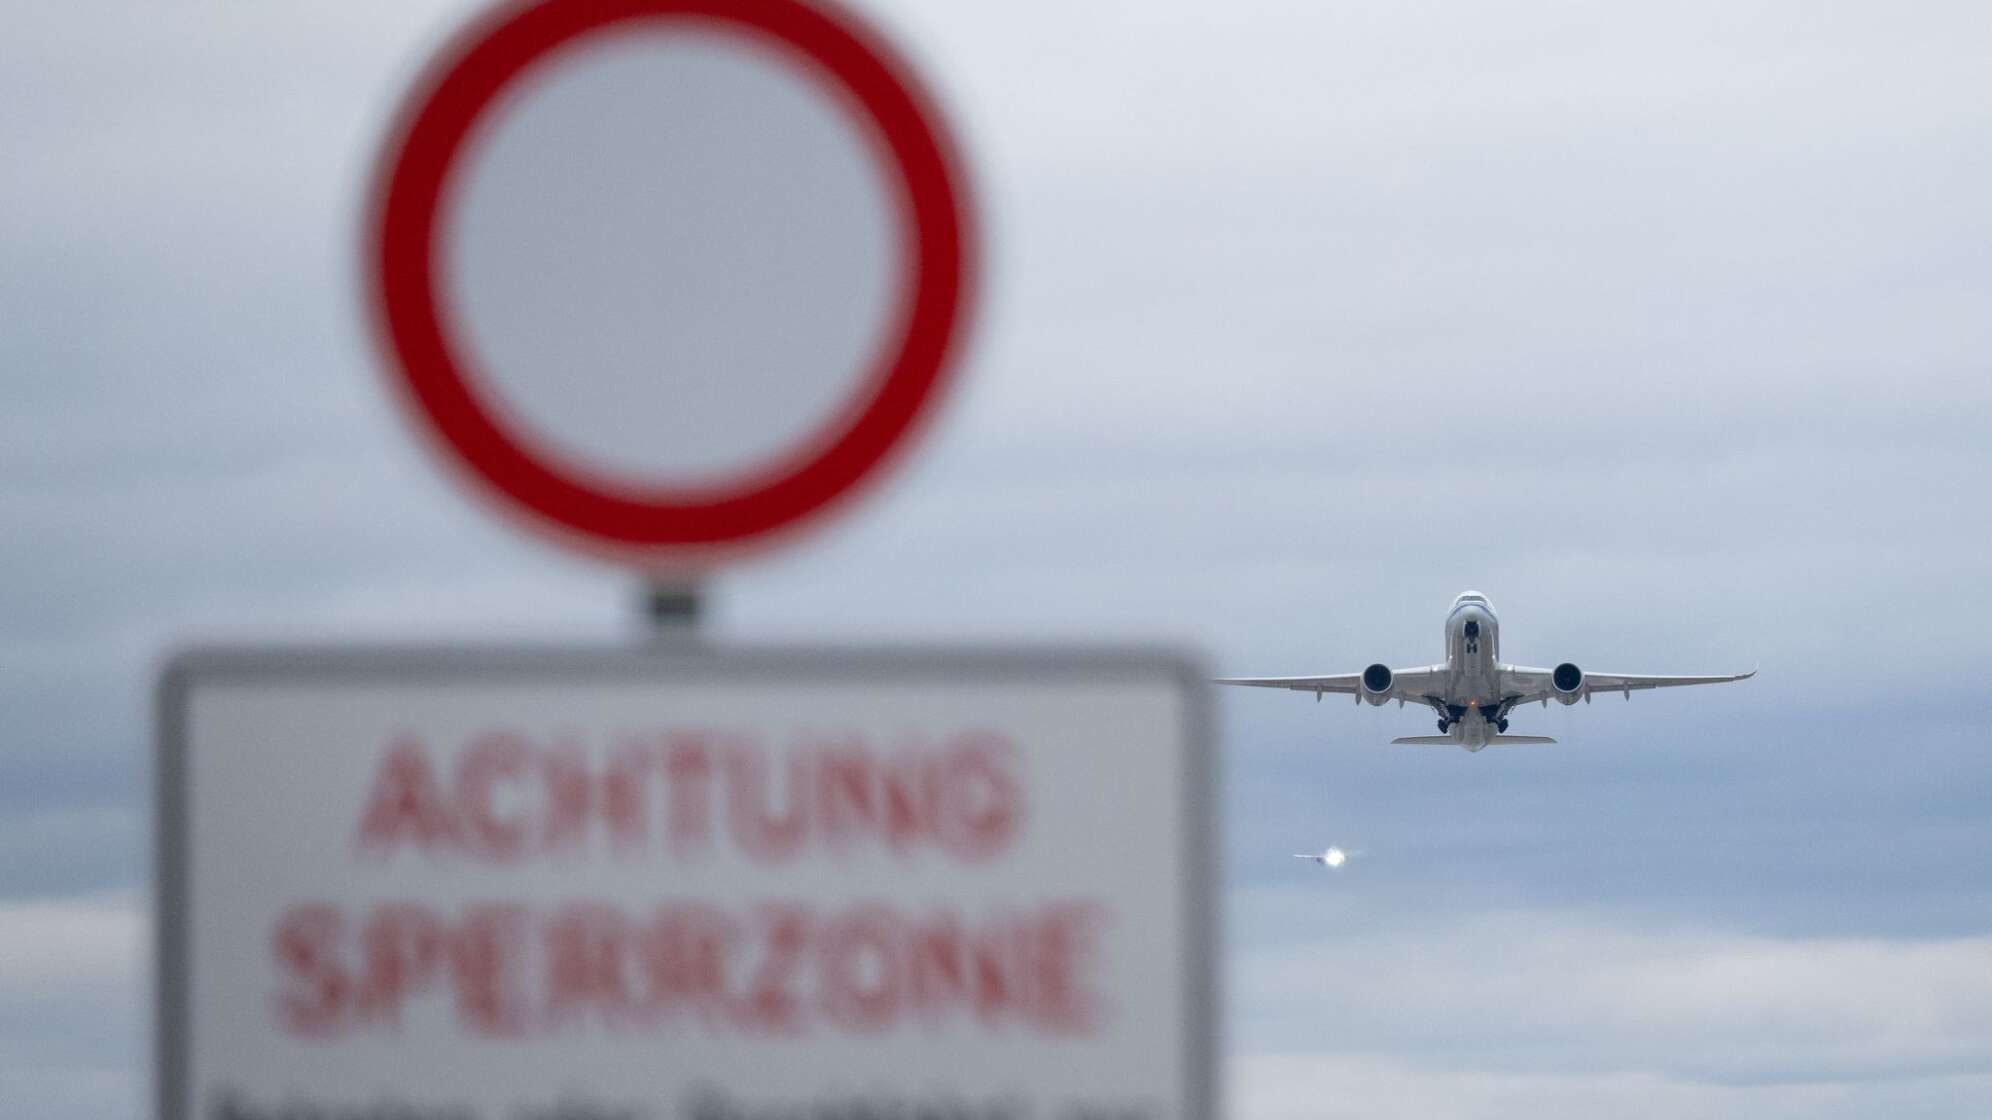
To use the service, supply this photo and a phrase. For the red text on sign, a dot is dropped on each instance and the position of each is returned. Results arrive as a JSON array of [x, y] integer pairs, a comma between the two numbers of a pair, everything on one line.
[[505, 796], [777, 968]]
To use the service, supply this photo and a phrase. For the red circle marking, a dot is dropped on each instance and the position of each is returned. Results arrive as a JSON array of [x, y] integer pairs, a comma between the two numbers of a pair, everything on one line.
[[403, 232]]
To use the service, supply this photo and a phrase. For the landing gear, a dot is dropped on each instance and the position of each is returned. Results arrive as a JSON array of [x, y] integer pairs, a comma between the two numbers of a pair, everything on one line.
[[1445, 725], [1501, 725]]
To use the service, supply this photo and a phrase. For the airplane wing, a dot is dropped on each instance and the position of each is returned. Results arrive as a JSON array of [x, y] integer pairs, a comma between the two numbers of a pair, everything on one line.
[[1532, 684], [1405, 684]]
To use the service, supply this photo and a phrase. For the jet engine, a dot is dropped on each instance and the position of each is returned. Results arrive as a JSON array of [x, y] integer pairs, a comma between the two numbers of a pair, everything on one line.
[[1376, 683], [1568, 681]]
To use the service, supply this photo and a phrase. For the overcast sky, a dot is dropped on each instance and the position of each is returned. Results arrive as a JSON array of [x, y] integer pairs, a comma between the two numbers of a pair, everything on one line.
[[1666, 328]]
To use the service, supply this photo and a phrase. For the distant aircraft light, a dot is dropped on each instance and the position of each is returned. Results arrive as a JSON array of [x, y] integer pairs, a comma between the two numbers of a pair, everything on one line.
[[1334, 857]]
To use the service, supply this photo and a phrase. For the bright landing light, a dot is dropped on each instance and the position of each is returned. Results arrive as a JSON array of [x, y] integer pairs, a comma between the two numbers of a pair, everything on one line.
[[1334, 857]]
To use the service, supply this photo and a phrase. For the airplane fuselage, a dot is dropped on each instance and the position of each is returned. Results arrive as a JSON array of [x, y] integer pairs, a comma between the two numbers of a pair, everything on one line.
[[1472, 696]]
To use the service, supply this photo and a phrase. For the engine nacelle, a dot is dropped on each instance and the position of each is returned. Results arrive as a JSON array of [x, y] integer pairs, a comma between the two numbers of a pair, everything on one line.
[[1568, 681], [1376, 683]]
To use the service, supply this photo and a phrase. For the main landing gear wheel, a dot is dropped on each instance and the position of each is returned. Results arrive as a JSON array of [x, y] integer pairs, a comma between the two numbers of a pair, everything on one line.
[[1445, 725], [1501, 725]]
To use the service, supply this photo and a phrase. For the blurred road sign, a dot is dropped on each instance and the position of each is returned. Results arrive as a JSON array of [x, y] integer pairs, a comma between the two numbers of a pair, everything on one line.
[[668, 277], [527, 883]]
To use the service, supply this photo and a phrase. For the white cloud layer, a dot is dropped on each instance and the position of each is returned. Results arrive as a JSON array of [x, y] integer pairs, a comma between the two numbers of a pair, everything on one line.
[[72, 999], [1573, 1008], [1328, 1087]]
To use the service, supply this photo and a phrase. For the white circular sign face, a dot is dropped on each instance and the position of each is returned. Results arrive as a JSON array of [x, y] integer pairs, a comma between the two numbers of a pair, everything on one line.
[[668, 276], [671, 259]]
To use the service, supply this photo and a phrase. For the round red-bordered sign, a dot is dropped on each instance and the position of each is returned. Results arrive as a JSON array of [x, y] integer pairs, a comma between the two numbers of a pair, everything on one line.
[[684, 526]]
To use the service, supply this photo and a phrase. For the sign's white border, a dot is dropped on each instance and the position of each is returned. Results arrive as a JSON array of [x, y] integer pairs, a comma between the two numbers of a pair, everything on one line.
[[192, 669]]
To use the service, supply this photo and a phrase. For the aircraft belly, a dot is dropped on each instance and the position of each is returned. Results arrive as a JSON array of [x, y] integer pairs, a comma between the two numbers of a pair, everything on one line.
[[1482, 687]]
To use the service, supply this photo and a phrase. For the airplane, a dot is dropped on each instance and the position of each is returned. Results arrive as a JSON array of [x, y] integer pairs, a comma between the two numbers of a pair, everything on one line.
[[1474, 690], [1333, 857]]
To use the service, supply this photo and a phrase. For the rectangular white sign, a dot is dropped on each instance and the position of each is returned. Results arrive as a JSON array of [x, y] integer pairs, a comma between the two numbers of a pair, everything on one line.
[[684, 885]]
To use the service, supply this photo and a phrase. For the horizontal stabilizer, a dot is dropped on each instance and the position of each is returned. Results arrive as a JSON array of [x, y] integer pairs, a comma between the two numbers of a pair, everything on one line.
[[1449, 741]]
